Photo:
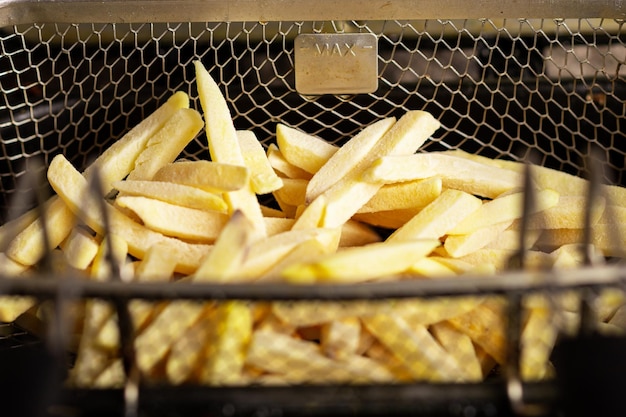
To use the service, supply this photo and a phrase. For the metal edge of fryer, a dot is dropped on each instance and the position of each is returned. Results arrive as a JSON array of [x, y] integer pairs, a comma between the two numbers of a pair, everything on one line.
[[13, 12]]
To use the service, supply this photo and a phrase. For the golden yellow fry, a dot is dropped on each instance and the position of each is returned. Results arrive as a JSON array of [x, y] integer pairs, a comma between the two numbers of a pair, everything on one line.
[[11, 228], [499, 258], [73, 189], [176, 221], [264, 178], [113, 165], [11, 307], [362, 263], [504, 209], [346, 158], [210, 176], [424, 358], [437, 218], [282, 166], [404, 195], [381, 354], [305, 151], [433, 310], [167, 143], [80, 248], [458, 173], [113, 376], [461, 347], [170, 192], [227, 343]]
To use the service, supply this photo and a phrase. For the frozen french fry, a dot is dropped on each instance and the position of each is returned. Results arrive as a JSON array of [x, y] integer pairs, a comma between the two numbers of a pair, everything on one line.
[[167, 143], [355, 233], [486, 326], [73, 189], [362, 263], [455, 172], [460, 245], [284, 167], [424, 358], [207, 175], [80, 248], [340, 338], [461, 347], [177, 221], [305, 151], [504, 209], [264, 178], [301, 361], [404, 195], [173, 193], [187, 352], [228, 339], [437, 218], [388, 219], [292, 192], [346, 158]]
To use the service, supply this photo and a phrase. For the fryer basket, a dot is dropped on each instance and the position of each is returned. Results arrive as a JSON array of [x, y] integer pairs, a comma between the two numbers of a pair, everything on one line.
[[541, 83]]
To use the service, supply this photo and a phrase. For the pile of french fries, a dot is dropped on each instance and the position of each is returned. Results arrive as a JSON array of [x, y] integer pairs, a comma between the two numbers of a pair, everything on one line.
[[375, 209]]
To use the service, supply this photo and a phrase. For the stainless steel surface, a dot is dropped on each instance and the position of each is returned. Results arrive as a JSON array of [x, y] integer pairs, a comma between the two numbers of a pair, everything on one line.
[[341, 63], [88, 11]]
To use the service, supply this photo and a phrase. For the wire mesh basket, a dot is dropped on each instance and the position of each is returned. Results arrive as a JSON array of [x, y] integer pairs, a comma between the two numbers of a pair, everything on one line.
[[544, 84]]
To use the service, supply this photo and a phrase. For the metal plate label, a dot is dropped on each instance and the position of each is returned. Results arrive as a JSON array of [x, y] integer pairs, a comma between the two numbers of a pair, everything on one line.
[[344, 63]]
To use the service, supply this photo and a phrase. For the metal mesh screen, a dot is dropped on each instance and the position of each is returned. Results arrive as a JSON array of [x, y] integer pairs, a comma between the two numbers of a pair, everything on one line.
[[548, 90]]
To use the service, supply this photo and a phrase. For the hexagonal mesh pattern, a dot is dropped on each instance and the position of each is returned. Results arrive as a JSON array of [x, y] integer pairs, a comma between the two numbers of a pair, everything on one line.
[[517, 89]]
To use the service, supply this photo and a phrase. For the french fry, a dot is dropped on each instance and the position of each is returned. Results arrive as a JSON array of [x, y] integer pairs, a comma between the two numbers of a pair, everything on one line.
[[167, 143], [157, 265], [424, 358], [170, 192], [363, 263], [388, 219], [460, 346], [344, 159], [404, 195], [348, 195], [340, 338], [486, 326], [214, 177], [187, 352], [355, 233], [73, 189], [504, 209], [176, 221], [458, 246], [224, 145], [457, 173], [284, 167], [113, 164], [264, 178], [437, 218], [229, 336], [80, 248], [537, 341], [602, 239], [300, 149], [301, 361], [292, 192]]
